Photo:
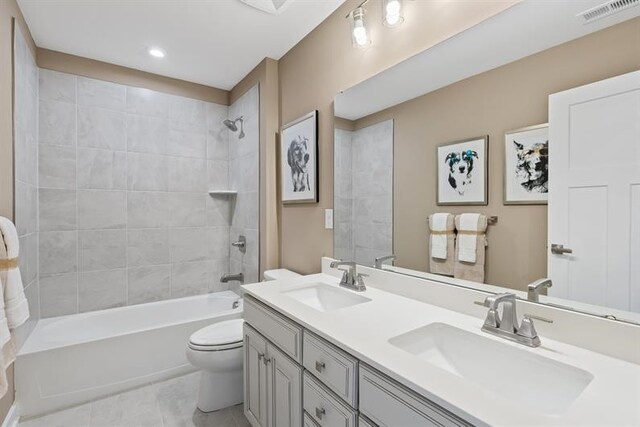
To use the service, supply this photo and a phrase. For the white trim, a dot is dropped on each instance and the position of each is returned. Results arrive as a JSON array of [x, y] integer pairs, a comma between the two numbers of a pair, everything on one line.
[[12, 418]]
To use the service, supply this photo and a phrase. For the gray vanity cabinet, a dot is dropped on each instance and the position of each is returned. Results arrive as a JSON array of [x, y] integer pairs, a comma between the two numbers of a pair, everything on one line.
[[255, 377], [284, 395]]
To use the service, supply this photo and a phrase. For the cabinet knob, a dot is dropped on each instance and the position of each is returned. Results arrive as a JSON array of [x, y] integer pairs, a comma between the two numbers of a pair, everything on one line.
[[320, 413], [319, 366], [260, 356], [267, 360]]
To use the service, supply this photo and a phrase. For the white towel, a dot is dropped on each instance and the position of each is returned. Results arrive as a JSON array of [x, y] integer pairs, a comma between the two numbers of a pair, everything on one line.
[[16, 307], [439, 240], [467, 242]]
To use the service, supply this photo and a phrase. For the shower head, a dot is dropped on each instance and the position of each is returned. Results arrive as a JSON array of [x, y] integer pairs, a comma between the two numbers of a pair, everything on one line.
[[231, 124]]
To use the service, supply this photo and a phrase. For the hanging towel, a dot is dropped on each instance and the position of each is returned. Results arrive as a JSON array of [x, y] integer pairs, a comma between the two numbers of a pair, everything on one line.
[[16, 307], [470, 247], [441, 243]]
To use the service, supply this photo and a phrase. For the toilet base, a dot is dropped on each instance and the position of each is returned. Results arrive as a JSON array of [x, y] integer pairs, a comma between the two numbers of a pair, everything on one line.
[[219, 390]]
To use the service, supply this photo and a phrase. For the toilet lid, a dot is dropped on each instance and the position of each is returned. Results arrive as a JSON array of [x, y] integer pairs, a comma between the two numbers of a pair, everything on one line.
[[218, 334]]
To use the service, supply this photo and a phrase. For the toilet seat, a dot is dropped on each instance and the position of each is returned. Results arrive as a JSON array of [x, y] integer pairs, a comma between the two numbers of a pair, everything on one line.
[[220, 336]]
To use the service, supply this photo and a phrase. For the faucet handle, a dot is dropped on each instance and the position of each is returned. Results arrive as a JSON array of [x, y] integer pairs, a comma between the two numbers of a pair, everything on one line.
[[527, 329], [493, 319]]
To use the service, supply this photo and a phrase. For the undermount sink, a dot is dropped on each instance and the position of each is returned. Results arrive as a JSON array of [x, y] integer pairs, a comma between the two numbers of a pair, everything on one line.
[[518, 375], [323, 297]]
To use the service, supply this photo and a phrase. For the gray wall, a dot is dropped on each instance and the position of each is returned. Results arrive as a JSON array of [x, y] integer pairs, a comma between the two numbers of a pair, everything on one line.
[[364, 193], [125, 214]]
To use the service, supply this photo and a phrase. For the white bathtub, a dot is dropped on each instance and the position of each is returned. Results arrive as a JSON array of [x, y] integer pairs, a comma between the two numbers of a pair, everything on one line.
[[73, 359]]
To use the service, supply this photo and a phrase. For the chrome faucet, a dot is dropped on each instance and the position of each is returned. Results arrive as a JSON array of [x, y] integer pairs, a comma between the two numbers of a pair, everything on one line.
[[350, 278], [534, 288], [232, 277], [380, 260], [506, 326]]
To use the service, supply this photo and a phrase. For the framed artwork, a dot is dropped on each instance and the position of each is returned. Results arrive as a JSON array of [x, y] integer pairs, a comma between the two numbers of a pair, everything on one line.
[[526, 169], [462, 172], [299, 160]]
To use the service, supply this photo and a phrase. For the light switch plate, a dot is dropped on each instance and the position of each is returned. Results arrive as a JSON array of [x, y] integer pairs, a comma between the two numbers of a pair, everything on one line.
[[328, 219]]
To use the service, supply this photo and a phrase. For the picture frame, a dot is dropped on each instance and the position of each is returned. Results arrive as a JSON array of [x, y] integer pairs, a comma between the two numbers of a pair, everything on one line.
[[462, 172], [526, 166], [299, 160]]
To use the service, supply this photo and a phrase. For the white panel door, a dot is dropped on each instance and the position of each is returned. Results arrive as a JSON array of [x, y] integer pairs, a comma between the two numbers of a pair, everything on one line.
[[594, 193], [255, 377]]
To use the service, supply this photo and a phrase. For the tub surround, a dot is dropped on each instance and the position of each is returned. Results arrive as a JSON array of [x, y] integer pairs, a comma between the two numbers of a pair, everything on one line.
[[389, 314]]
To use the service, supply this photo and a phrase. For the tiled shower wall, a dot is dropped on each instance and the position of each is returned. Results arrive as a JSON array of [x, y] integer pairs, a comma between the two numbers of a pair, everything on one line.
[[26, 173], [364, 193], [244, 177], [125, 214]]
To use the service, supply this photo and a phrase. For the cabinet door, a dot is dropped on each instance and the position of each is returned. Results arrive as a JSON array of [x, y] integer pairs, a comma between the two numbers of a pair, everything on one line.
[[255, 377], [284, 397]]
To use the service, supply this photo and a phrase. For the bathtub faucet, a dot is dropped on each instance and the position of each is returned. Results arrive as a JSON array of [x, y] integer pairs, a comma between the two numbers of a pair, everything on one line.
[[232, 277]]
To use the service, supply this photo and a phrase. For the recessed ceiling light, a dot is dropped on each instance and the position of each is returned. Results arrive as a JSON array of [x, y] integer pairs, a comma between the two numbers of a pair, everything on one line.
[[156, 52]]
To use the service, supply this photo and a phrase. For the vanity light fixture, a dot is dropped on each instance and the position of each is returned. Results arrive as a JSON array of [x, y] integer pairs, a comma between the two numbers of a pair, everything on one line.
[[392, 13], [359, 34], [156, 52]]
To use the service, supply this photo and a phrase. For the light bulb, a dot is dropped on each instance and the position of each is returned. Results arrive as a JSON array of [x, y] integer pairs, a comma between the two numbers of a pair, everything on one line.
[[393, 7], [392, 11], [359, 30], [393, 19]]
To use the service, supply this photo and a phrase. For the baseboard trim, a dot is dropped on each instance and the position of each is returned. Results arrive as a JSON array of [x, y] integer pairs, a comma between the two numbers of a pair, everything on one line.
[[12, 418]]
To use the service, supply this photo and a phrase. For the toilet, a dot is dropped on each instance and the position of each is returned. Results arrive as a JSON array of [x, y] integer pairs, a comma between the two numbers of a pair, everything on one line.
[[217, 351]]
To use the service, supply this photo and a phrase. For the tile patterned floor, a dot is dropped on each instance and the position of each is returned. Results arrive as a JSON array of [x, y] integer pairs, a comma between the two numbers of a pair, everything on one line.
[[170, 403]]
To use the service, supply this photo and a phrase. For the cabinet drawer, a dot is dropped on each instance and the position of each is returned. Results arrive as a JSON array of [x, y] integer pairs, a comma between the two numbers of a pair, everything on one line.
[[324, 408], [363, 422], [308, 421], [333, 367], [388, 403], [278, 329]]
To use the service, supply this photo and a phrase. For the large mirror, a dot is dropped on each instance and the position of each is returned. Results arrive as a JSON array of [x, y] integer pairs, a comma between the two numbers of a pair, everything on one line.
[[481, 161]]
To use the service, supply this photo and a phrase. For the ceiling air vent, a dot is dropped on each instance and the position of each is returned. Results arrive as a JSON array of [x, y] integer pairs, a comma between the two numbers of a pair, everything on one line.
[[606, 9], [273, 7]]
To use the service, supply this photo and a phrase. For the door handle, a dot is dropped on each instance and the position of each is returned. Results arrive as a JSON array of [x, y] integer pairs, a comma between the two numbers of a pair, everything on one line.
[[560, 249], [319, 366], [320, 413]]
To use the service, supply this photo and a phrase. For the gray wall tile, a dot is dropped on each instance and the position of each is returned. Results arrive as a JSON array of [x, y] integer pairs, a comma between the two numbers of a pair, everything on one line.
[[147, 102], [187, 144], [187, 209], [147, 134], [102, 169], [148, 247], [147, 172], [57, 209], [58, 295], [58, 252], [218, 210], [56, 86], [189, 279], [217, 175], [189, 244], [147, 284], [102, 249], [147, 209], [99, 290], [187, 114], [57, 123], [99, 209], [187, 174], [99, 93], [57, 167], [101, 128]]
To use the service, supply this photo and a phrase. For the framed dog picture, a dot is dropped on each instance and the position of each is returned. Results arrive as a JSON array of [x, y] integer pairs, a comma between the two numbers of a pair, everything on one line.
[[526, 170], [462, 172], [299, 160]]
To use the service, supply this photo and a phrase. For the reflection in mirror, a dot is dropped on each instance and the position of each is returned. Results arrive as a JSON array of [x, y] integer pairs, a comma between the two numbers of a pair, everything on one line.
[[535, 81], [363, 194]]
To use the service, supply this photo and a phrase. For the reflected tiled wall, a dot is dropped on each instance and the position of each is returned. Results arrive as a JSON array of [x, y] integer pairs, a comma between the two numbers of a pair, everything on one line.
[[125, 214], [244, 177], [26, 175], [364, 193]]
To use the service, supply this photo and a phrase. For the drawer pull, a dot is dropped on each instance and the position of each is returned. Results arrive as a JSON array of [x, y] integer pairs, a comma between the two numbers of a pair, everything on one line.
[[260, 356], [319, 366], [320, 413], [267, 360]]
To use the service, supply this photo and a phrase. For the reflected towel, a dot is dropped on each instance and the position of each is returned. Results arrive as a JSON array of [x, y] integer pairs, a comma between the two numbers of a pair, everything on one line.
[[444, 265], [473, 271], [439, 232], [468, 230]]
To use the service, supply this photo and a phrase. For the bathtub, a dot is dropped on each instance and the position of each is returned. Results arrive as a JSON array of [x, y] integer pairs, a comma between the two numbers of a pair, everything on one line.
[[74, 359]]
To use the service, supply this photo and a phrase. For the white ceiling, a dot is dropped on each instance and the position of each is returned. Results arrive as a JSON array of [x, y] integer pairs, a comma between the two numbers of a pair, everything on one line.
[[213, 42], [522, 30]]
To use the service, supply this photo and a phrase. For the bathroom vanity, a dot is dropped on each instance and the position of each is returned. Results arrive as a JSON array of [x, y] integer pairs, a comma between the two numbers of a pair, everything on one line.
[[320, 355]]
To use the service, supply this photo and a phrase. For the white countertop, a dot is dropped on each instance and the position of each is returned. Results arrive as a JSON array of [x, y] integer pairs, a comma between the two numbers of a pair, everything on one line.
[[612, 397]]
